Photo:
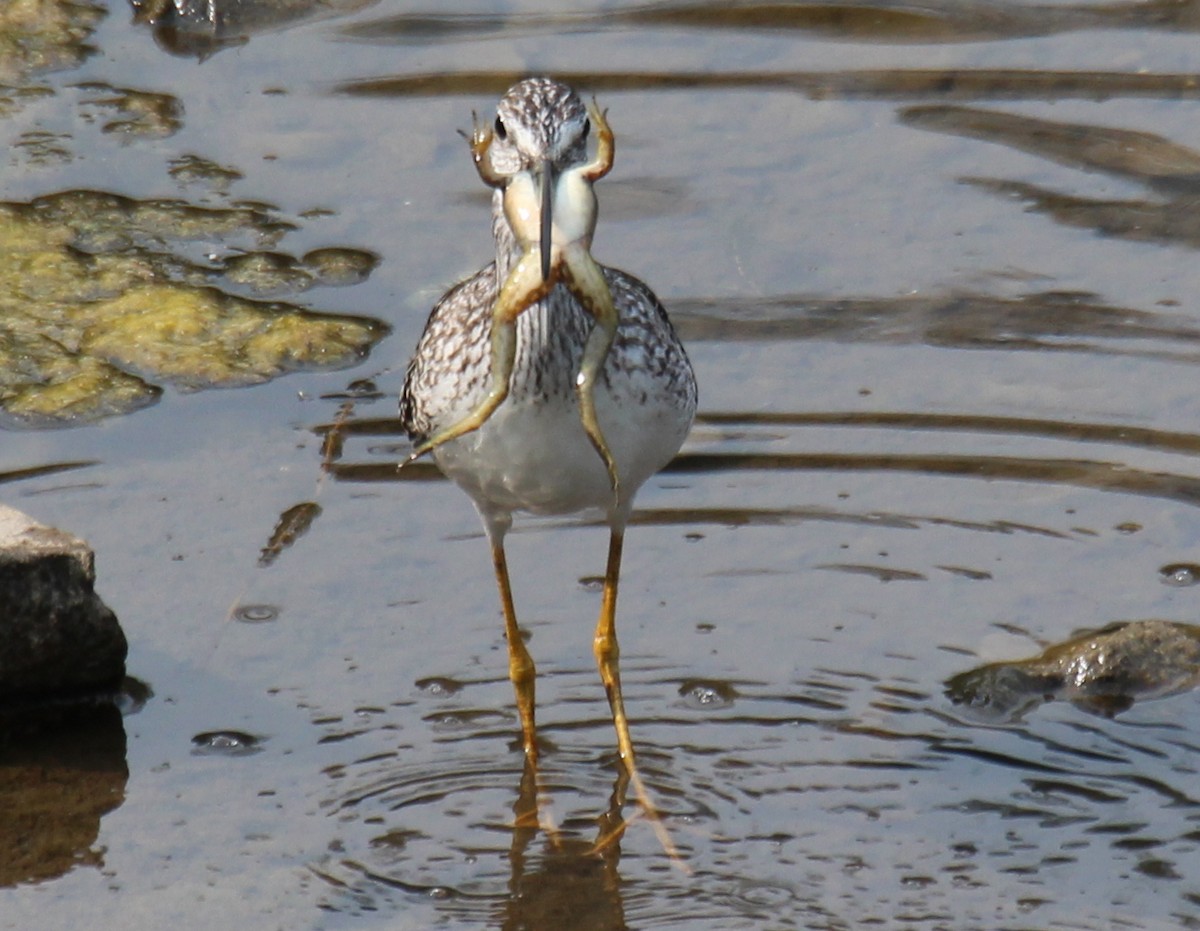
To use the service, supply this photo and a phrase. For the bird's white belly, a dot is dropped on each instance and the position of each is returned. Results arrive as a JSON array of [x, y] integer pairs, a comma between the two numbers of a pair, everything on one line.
[[536, 457]]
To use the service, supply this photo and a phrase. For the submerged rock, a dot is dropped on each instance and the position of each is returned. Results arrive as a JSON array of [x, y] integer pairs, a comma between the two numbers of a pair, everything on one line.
[[1103, 671], [57, 637], [204, 27]]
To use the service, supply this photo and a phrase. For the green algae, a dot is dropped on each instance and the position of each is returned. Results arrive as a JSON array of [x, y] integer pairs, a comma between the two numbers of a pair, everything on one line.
[[195, 169], [44, 35], [100, 307], [105, 299], [130, 111]]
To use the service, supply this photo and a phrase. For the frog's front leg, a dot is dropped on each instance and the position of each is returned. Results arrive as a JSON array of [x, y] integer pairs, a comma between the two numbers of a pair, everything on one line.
[[523, 287], [606, 146], [481, 142]]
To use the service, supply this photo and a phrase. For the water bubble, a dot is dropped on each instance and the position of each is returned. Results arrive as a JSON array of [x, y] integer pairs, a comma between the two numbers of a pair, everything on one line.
[[440, 686], [256, 614], [363, 388], [764, 895], [1181, 574], [226, 743], [395, 840], [707, 694], [465, 719], [132, 695]]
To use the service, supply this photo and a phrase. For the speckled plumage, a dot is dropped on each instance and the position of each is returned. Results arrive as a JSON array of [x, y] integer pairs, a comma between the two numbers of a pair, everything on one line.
[[646, 397], [539, 448]]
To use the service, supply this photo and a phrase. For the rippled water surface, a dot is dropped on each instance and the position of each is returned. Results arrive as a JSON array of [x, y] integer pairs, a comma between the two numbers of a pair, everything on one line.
[[936, 267]]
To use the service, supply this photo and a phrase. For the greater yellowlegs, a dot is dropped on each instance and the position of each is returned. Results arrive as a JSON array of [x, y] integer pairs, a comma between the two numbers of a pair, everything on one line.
[[546, 383]]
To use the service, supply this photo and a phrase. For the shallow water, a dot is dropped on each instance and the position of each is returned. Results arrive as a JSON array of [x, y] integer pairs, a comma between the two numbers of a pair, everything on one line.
[[935, 268]]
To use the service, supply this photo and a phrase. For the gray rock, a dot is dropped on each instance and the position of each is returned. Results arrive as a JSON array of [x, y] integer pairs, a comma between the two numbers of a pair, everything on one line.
[[1103, 671], [56, 636]]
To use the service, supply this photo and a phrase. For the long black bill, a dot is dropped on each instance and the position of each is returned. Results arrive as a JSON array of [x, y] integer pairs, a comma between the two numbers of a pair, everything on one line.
[[548, 182]]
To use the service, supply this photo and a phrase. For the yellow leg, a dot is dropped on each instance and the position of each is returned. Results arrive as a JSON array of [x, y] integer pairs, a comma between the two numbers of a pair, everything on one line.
[[523, 287], [607, 655], [520, 664], [608, 652], [586, 280]]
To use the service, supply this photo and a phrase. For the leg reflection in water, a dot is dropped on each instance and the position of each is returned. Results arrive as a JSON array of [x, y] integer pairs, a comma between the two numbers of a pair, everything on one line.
[[572, 882]]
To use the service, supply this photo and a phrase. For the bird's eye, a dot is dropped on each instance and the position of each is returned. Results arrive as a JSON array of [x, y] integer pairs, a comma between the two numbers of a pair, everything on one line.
[[587, 128], [501, 131]]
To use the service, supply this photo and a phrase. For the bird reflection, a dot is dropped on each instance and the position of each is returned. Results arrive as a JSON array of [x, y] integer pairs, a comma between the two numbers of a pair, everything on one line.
[[571, 882]]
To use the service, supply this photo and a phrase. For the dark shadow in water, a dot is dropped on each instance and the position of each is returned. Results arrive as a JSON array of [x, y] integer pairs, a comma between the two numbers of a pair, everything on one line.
[[1118, 434], [1084, 473], [942, 21], [16, 475], [1173, 223], [1160, 163], [62, 768], [786, 516], [1168, 169], [881, 84], [1046, 321]]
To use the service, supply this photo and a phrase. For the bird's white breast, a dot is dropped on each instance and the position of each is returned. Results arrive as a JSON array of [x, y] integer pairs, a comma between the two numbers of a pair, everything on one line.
[[533, 454]]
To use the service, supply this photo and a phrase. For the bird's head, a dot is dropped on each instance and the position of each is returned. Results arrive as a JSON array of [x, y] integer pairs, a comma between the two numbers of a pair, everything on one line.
[[535, 154], [539, 121]]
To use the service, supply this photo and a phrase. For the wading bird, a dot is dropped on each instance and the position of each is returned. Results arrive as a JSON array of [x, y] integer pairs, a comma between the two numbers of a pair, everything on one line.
[[547, 383]]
